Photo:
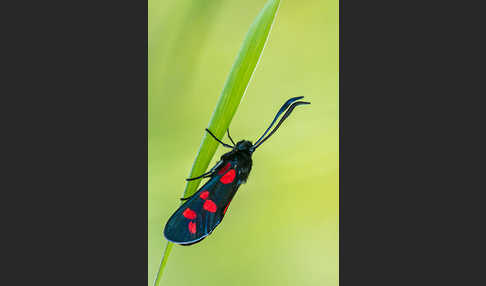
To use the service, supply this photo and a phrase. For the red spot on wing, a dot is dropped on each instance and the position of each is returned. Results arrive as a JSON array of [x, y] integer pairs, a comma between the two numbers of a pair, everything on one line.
[[228, 177], [226, 208], [210, 206], [204, 195], [189, 214], [192, 227], [224, 169]]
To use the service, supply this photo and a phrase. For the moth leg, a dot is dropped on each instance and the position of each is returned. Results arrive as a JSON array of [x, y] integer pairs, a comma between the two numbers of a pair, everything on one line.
[[215, 138], [207, 174], [229, 136], [185, 199]]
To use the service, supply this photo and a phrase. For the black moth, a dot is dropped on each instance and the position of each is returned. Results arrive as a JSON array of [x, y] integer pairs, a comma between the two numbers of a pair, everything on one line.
[[203, 211]]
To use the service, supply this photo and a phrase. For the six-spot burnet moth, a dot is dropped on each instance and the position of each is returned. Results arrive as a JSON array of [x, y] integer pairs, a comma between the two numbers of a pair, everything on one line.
[[203, 211]]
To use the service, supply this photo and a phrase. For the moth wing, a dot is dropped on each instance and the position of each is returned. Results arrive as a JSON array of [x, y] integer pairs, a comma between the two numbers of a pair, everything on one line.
[[199, 215]]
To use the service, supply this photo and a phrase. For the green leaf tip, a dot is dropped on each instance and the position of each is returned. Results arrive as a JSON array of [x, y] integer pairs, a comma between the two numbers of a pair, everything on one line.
[[234, 89]]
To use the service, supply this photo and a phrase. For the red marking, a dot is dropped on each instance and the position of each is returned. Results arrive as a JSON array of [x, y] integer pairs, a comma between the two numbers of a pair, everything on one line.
[[224, 212], [224, 169], [192, 227], [228, 177], [189, 214], [210, 206], [204, 195]]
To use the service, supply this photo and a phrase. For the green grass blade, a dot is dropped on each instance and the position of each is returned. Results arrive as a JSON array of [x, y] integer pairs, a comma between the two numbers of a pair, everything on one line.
[[233, 91], [229, 100]]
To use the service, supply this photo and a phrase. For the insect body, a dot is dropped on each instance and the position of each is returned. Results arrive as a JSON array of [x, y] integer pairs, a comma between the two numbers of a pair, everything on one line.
[[203, 211]]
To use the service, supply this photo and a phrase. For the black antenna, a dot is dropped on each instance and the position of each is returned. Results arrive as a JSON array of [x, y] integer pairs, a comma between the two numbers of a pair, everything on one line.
[[282, 109], [289, 110]]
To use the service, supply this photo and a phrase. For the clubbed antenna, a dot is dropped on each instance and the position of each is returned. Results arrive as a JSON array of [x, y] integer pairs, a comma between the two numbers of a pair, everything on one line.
[[289, 105]]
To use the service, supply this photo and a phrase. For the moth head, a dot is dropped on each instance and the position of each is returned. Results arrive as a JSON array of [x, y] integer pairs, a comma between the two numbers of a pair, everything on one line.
[[243, 145]]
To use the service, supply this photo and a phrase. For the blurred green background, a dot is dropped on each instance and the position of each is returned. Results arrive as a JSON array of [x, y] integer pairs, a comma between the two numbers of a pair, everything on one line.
[[282, 226]]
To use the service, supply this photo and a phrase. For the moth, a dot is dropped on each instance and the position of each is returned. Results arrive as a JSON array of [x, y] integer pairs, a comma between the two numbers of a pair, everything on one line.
[[202, 212]]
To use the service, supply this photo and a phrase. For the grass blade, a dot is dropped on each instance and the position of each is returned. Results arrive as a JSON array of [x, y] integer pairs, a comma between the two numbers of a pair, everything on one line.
[[229, 100]]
